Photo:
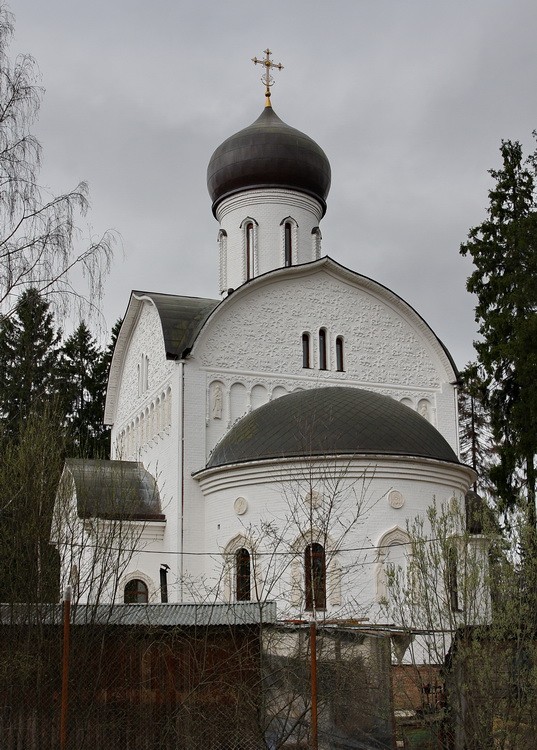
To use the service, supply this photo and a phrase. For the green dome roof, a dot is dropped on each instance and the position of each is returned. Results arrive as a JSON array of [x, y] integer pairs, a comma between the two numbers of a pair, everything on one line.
[[331, 421]]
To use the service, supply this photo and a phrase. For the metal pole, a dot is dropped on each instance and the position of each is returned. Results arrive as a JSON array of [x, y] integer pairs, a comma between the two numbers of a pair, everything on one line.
[[314, 739], [65, 666], [164, 583]]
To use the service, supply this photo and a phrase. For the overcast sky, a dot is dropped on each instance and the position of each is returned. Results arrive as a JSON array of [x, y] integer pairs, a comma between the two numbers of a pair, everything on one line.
[[409, 100]]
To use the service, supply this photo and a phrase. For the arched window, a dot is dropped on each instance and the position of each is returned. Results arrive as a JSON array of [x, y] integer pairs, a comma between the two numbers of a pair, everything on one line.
[[288, 243], [306, 359], [315, 576], [249, 231], [322, 349], [242, 575], [339, 354], [136, 592], [393, 559]]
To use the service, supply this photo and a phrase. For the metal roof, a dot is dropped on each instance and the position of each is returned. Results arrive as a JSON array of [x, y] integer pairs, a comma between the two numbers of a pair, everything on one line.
[[114, 489], [152, 615], [268, 153], [181, 319], [331, 421]]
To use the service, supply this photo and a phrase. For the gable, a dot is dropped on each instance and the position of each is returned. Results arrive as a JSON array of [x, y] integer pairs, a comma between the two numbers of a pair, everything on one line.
[[139, 363], [259, 328]]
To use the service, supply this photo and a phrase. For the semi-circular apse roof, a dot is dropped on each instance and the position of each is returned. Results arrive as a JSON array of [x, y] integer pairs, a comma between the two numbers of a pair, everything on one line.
[[268, 154], [331, 421]]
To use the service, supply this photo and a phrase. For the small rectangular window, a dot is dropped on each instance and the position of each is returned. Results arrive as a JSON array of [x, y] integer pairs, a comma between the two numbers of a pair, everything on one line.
[[322, 349], [306, 350], [339, 354], [288, 244]]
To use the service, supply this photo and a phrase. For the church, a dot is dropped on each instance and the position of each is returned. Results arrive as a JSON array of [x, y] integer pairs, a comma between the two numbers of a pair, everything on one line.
[[272, 443]]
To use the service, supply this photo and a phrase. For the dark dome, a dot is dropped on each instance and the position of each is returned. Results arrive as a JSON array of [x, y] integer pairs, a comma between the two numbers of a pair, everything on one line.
[[267, 154], [331, 421]]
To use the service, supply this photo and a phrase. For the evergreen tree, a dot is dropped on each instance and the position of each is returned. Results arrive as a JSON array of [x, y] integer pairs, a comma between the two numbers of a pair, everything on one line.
[[84, 374], [29, 352], [109, 352], [477, 446], [504, 251]]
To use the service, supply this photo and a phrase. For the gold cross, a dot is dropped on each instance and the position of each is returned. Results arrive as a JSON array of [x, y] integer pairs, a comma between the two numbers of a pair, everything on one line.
[[266, 78]]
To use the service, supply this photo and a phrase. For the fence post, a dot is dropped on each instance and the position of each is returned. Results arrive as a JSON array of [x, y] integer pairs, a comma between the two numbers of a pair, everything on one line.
[[65, 666]]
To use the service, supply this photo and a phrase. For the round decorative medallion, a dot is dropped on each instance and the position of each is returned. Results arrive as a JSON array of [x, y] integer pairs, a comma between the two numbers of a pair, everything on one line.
[[396, 499], [240, 505], [314, 498]]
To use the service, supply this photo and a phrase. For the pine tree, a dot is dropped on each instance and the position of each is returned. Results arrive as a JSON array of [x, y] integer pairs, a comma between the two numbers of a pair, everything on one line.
[[109, 352], [29, 352], [84, 373], [504, 251]]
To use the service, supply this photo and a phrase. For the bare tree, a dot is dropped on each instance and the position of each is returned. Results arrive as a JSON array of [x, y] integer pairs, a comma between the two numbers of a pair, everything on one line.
[[461, 602], [302, 551], [37, 230]]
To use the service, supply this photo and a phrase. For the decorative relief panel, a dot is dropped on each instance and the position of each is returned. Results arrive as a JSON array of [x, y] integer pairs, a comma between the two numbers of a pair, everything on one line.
[[396, 499], [147, 343], [228, 400], [263, 333], [148, 426]]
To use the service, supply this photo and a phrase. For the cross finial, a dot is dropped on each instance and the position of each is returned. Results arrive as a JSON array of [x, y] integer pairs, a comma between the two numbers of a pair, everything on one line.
[[266, 78]]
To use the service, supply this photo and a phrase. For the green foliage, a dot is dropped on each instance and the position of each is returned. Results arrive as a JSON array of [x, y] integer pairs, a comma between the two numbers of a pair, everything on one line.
[[29, 355], [51, 405], [83, 374], [504, 251], [477, 446], [462, 602], [29, 474]]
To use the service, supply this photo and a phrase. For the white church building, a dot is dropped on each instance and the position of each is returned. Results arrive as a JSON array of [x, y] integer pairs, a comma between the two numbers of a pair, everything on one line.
[[272, 443]]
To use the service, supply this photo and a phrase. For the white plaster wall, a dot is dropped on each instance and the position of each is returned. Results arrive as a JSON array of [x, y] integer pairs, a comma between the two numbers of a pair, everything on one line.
[[148, 429], [146, 340], [276, 494], [268, 209], [253, 349]]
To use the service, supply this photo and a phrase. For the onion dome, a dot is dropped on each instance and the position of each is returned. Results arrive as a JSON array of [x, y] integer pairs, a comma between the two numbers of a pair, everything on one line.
[[268, 154], [331, 421]]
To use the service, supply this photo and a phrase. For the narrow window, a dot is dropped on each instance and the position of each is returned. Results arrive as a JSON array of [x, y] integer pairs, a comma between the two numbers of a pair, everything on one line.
[[136, 592], [322, 349], [306, 350], [242, 572], [452, 583], [288, 244], [249, 229], [315, 574], [316, 237], [222, 248], [339, 354], [146, 372]]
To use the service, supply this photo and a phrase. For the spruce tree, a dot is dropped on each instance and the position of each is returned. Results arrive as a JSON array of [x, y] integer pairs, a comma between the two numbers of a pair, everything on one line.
[[504, 250], [477, 446], [29, 352], [84, 374]]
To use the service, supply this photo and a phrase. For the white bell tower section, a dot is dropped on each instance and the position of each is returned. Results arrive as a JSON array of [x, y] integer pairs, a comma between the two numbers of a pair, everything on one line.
[[268, 184], [261, 230]]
